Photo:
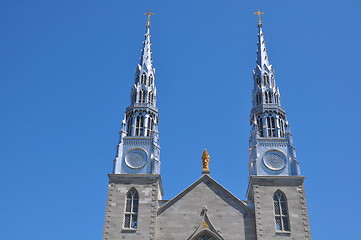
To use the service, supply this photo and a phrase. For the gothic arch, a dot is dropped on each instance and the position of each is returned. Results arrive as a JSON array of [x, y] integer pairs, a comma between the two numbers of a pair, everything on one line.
[[280, 208], [131, 209]]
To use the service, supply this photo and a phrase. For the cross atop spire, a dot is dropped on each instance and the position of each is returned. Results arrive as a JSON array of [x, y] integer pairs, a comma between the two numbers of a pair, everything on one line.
[[259, 13], [148, 14]]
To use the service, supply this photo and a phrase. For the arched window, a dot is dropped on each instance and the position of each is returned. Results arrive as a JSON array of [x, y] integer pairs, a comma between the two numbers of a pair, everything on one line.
[[139, 126], [281, 212], [271, 126], [265, 79], [131, 209], [150, 96], [258, 81], [149, 126], [260, 126], [142, 96], [268, 96], [276, 98], [130, 125], [134, 97], [150, 80], [144, 78], [258, 98]]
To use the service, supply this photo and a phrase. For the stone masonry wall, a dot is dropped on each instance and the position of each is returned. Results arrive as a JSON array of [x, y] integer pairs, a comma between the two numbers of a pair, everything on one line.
[[148, 189], [263, 190]]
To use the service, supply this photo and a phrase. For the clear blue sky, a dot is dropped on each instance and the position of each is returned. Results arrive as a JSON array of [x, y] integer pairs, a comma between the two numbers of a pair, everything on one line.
[[66, 72]]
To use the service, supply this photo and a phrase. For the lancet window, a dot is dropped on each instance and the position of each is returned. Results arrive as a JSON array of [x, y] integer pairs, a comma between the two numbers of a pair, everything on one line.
[[271, 126], [281, 212], [260, 126], [268, 96], [129, 126], [131, 209], [277, 98], [281, 124], [143, 79], [142, 96], [258, 98], [139, 127], [150, 97], [150, 80], [134, 97], [265, 79], [150, 126], [258, 81]]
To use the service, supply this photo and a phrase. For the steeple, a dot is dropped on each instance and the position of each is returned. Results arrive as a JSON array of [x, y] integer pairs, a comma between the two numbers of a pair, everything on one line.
[[262, 56], [271, 148], [138, 149], [145, 64]]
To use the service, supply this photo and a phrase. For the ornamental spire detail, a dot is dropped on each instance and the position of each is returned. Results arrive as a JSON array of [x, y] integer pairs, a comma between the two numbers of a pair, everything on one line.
[[146, 58], [138, 149], [271, 148]]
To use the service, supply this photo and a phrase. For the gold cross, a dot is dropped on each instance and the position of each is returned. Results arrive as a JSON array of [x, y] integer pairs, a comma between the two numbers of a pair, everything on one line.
[[148, 14], [259, 13]]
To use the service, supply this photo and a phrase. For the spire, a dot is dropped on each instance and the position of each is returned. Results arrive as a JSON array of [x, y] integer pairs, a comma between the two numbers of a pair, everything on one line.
[[262, 56], [271, 148], [146, 58], [138, 149]]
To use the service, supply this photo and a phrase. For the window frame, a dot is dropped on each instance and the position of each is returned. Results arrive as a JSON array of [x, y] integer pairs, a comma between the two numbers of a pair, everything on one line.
[[281, 213], [133, 196]]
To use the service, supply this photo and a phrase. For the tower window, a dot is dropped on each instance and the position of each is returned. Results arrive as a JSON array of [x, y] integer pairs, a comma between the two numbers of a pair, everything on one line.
[[281, 212], [271, 126], [131, 209], [150, 80], [150, 97], [276, 98], [258, 81], [134, 97], [150, 126], [260, 126], [258, 98], [129, 126], [139, 126], [143, 79], [266, 79], [268, 96], [142, 96]]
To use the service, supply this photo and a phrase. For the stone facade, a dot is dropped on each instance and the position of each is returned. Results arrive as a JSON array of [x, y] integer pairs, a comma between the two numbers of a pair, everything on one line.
[[261, 193], [150, 190], [181, 217]]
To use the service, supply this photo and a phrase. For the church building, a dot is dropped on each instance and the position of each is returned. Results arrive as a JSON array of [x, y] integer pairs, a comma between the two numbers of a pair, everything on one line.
[[275, 207]]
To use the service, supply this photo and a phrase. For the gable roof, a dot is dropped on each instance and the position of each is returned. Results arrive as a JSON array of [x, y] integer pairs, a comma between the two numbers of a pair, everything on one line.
[[207, 180]]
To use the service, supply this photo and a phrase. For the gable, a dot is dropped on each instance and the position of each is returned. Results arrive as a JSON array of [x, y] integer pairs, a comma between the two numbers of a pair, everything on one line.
[[181, 216], [202, 191]]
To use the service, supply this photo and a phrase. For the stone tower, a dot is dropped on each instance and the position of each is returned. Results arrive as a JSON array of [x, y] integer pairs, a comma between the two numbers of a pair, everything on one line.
[[275, 183], [135, 183]]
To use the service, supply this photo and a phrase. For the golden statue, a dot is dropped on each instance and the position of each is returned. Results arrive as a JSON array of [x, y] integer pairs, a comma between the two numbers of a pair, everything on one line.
[[205, 160]]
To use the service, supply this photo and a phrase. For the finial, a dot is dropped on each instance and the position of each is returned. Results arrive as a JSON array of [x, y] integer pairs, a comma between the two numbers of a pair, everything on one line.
[[205, 162], [148, 14], [259, 13]]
